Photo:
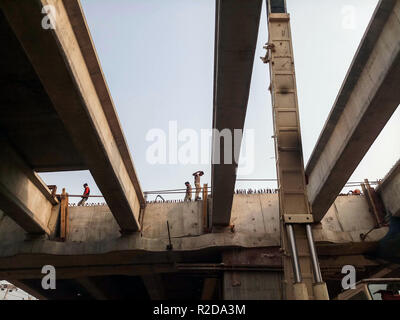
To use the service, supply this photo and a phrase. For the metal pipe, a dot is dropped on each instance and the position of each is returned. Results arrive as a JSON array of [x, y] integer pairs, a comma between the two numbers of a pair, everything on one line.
[[314, 257], [80, 196], [295, 256]]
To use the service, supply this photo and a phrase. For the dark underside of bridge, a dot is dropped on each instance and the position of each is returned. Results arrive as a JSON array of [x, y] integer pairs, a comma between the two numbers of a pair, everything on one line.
[[207, 278], [28, 120], [179, 286], [201, 278], [170, 286]]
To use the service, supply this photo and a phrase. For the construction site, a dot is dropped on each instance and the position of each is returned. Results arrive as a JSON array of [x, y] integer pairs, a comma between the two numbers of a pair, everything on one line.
[[291, 241]]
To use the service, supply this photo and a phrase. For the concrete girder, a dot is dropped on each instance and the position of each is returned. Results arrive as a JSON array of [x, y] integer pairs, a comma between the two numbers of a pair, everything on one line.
[[23, 195], [236, 31], [65, 61], [368, 98]]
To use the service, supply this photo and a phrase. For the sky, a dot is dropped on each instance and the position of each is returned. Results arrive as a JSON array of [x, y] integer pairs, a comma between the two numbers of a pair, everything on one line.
[[158, 56]]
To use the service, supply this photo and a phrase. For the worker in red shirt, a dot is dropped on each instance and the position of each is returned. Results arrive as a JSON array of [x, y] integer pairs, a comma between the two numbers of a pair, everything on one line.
[[85, 195]]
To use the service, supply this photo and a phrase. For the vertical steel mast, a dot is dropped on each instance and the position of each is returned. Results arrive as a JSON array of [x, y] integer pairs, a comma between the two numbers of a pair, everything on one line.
[[301, 267]]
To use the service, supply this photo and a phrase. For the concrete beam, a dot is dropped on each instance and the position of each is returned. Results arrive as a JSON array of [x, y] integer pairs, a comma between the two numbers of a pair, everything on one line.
[[236, 31], [389, 190], [23, 196], [64, 59], [78, 21], [368, 98]]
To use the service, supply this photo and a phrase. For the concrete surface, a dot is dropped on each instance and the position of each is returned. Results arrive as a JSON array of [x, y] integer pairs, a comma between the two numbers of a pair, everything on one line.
[[66, 76], [236, 31], [20, 196], [95, 245], [366, 101], [389, 190]]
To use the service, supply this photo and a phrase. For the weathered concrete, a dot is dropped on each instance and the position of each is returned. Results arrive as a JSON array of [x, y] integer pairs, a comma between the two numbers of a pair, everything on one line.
[[94, 245], [254, 285], [366, 101], [236, 31], [261, 277], [72, 84], [28, 118], [389, 190], [23, 196]]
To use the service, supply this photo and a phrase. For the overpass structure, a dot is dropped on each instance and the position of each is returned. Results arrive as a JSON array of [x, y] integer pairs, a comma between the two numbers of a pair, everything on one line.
[[366, 101], [240, 263], [57, 115]]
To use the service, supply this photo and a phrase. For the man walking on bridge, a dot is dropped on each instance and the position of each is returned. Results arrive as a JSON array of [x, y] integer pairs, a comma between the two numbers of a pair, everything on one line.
[[197, 176], [188, 196], [85, 195]]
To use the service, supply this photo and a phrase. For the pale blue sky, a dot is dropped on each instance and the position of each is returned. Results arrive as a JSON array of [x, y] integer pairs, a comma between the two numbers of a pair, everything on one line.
[[158, 55]]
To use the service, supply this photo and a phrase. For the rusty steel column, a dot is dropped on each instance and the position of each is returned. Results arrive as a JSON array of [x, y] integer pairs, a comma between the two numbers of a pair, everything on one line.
[[295, 212]]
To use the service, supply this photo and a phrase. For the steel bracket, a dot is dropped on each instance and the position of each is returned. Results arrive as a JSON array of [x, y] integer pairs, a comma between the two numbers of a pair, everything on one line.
[[298, 218]]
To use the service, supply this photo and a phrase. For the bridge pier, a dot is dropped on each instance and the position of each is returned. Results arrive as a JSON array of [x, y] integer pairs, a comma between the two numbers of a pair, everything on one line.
[[256, 274]]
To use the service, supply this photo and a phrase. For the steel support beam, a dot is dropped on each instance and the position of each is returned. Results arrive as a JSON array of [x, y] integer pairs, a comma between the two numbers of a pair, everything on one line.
[[368, 98], [301, 268]]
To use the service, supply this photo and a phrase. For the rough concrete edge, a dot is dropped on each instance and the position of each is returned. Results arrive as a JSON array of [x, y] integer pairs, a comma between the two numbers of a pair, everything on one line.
[[393, 171], [374, 29], [135, 243], [79, 25]]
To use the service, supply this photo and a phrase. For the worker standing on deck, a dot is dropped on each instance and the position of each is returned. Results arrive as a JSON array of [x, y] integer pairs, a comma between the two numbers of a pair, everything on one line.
[[188, 196], [85, 195], [197, 176]]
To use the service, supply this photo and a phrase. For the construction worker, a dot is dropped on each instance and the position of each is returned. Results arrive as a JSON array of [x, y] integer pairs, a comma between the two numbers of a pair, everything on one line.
[[188, 196], [197, 176], [85, 195]]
